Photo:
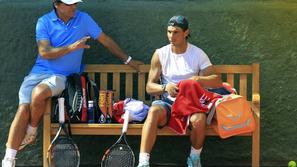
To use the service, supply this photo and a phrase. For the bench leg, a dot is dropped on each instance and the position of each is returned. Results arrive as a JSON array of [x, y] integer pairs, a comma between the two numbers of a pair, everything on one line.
[[46, 131], [256, 145]]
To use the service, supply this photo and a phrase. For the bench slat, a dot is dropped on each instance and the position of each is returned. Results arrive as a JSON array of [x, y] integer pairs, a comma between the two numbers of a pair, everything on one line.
[[115, 129], [141, 86], [116, 85], [103, 81], [243, 85], [116, 68], [91, 76], [233, 69], [129, 85], [230, 79]]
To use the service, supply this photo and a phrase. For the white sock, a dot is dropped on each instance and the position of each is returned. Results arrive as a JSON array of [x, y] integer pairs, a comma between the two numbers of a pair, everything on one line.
[[10, 153], [195, 151], [144, 158], [31, 129]]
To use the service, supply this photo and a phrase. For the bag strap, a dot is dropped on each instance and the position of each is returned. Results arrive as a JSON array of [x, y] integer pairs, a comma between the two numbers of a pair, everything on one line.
[[211, 113], [213, 109]]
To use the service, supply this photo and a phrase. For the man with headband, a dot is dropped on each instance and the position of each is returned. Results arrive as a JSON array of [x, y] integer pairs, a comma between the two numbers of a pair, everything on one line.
[[170, 64]]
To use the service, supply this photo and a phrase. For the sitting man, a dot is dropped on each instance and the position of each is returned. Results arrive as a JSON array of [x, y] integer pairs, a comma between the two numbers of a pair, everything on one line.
[[171, 64], [61, 37]]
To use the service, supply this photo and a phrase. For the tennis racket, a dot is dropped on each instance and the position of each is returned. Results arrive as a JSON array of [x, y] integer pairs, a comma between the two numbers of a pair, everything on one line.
[[119, 154], [62, 152]]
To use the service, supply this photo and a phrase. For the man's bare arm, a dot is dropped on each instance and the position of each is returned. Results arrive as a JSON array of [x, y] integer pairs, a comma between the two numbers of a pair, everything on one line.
[[208, 79], [48, 52], [114, 48], [152, 86]]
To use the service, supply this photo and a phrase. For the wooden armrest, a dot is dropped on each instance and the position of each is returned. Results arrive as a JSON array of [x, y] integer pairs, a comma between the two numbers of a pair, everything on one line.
[[255, 110], [256, 98]]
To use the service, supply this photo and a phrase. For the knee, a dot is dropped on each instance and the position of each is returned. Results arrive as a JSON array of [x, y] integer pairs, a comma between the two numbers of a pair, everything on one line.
[[40, 92], [156, 114], [198, 120]]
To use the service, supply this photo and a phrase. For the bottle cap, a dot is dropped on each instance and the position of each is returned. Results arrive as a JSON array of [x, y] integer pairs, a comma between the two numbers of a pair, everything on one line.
[[90, 103]]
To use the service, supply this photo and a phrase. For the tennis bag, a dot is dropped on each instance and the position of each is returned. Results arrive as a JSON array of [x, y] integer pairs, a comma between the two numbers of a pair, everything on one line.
[[77, 92], [233, 116], [75, 98]]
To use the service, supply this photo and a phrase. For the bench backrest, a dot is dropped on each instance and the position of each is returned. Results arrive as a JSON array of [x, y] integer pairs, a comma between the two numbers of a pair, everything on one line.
[[245, 78]]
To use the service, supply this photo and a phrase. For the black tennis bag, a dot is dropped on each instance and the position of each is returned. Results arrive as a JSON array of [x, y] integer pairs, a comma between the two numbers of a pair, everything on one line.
[[77, 93]]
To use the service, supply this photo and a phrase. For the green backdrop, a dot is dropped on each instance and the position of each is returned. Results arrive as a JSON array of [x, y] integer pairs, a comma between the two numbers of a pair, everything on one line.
[[229, 31]]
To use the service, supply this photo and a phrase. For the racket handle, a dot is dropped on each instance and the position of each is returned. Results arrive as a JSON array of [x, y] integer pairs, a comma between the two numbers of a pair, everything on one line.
[[61, 110], [126, 121]]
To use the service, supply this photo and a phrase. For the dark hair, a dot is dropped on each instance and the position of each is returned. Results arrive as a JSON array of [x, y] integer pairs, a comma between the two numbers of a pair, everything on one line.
[[54, 2]]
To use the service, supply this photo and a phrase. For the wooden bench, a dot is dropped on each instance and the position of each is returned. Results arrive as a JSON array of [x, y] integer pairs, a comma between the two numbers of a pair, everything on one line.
[[245, 78]]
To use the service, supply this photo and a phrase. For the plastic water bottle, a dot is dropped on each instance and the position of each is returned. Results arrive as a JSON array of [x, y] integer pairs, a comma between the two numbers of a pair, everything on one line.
[[91, 114]]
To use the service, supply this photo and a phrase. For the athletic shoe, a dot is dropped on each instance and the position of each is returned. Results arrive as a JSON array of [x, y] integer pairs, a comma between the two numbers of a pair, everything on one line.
[[8, 162], [194, 161], [143, 165], [29, 139]]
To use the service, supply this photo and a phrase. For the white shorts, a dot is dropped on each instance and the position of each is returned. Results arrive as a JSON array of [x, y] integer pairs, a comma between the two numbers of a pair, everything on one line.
[[55, 82]]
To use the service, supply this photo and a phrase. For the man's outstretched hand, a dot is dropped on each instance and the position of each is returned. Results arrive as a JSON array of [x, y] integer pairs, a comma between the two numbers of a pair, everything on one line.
[[135, 64], [80, 44]]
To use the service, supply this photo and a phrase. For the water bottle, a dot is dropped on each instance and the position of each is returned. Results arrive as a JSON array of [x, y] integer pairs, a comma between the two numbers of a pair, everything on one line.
[[91, 114]]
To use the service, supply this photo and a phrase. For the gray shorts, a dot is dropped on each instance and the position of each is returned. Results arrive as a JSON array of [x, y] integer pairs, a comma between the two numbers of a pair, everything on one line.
[[55, 82], [166, 105]]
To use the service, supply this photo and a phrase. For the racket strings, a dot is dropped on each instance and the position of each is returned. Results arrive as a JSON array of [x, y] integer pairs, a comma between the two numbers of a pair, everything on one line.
[[120, 156], [65, 154]]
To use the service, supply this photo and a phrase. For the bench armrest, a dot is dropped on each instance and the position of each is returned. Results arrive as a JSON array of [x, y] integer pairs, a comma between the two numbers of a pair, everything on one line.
[[256, 99], [255, 104], [256, 110]]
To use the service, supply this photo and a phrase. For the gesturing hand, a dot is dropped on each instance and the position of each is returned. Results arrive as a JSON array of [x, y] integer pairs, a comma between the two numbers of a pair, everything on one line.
[[80, 44], [135, 64]]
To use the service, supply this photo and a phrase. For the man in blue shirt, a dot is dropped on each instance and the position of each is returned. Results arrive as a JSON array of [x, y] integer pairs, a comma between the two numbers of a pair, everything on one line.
[[61, 37]]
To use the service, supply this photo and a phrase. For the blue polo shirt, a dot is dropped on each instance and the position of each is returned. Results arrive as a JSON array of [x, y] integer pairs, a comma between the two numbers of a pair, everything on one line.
[[50, 27]]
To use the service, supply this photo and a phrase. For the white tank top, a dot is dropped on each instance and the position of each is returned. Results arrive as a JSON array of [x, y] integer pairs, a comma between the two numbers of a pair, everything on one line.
[[177, 67]]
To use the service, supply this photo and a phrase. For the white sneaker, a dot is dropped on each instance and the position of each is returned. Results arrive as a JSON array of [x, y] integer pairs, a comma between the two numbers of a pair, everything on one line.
[[145, 165], [28, 139], [8, 162]]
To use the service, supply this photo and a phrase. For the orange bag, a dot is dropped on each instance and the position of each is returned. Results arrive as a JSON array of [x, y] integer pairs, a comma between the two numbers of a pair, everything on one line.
[[233, 116]]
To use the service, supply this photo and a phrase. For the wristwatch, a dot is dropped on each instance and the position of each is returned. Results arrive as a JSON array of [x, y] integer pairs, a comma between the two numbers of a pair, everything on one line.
[[128, 60]]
